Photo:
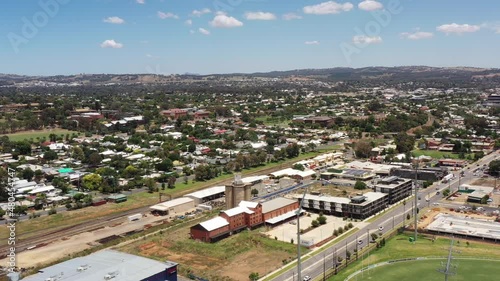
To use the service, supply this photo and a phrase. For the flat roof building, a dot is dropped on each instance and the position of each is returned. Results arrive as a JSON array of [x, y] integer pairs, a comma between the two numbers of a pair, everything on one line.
[[108, 265], [397, 188]]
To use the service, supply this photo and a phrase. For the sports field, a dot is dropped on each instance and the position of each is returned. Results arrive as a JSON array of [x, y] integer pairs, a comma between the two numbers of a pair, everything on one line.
[[427, 270], [38, 134]]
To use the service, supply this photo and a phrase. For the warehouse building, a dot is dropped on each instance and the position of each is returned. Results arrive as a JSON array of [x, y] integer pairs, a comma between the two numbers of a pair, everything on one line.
[[172, 207], [206, 195], [108, 265]]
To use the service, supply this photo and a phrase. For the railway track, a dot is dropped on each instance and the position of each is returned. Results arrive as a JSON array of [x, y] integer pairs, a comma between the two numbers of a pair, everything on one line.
[[52, 236]]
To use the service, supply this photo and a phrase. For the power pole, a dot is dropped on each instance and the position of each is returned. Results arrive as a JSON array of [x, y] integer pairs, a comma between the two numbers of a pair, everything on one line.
[[416, 199], [299, 265]]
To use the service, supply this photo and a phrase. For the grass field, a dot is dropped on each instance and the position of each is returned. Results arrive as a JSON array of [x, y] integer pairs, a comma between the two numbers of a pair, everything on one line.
[[427, 270], [40, 134], [436, 154], [399, 248]]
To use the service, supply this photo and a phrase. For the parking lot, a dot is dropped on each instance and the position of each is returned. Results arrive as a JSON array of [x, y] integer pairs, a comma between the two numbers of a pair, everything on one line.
[[288, 231]]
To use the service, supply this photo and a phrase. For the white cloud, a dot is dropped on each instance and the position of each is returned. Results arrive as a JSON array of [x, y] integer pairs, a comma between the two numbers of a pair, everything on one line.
[[291, 16], [114, 20], [311, 42], [111, 44], [370, 5], [222, 20], [203, 31], [259, 16], [141, 1], [169, 15], [199, 13], [458, 28], [188, 22], [495, 26], [417, 35], [366, 40], [149, 55], [327, 8]]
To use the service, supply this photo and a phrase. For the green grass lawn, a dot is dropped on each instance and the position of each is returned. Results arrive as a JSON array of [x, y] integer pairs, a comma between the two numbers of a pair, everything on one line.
[[399, 248], [271, 121], [427, 270], [34, 134], [436, 154]]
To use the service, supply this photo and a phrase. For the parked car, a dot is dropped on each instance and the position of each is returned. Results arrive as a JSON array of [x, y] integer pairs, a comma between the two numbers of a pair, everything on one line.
[[307, 278]]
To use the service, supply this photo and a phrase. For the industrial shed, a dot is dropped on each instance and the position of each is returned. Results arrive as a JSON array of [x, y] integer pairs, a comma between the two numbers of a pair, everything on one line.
[[176, 206], [208, 194]]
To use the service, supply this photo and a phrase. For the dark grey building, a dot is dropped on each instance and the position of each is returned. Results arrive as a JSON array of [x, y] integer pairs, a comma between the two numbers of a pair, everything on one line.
[[395, 187]]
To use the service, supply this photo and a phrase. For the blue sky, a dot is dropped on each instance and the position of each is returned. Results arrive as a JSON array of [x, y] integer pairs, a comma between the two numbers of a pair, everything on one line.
[[46, 37]]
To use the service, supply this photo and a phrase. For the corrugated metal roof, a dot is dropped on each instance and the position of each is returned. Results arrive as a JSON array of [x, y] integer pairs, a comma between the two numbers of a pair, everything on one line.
[[207, 192], [174, 203], [125, 267], [283, 217], [214, 223], [275, 204], [248, 204], [237, 210]]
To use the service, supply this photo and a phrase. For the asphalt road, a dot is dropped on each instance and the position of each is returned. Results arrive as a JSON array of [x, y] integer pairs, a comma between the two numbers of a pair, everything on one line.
[[314, 266]]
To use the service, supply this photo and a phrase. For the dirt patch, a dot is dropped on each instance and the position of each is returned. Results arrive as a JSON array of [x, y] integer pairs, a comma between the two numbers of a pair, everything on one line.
[[253, 261], [485, 182]]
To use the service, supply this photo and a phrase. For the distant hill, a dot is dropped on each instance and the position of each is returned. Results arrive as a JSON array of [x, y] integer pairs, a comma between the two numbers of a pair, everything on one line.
[[394, 74]]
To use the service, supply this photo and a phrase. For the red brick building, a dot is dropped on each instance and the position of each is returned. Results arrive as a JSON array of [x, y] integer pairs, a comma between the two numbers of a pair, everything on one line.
[[201, 114], [277, 207], [211, 230], [245, 215], [174, 113]]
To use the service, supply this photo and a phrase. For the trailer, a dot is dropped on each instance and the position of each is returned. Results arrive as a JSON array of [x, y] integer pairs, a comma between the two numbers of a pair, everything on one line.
[[448, 178], [135, 217]]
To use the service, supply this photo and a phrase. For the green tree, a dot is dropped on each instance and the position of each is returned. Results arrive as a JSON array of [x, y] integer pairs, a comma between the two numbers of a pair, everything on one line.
[[446, 192], [255, 192], [49, 155], [404, 142], [78, 153], [130, 172], [299, 167], [171, 182], [165, 165], [27, 174], [94, 159], [322, 219], [494, 168], [360, 185], [315, 223], [150, 183], [485, 199], [92, 182], [2, 213], [363, 149], [254, 276]]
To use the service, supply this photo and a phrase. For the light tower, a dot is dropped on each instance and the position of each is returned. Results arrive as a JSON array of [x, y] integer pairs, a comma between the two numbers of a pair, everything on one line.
[[449, 269]]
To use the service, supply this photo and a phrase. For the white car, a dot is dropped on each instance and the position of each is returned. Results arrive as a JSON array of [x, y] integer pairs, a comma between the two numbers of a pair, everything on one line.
[[307, 278]]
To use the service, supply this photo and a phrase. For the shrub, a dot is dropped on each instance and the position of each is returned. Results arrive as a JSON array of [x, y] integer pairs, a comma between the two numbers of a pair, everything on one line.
[[52, 211]]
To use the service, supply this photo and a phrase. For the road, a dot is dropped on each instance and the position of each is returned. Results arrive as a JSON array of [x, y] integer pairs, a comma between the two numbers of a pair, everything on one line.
[[314, 266]]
